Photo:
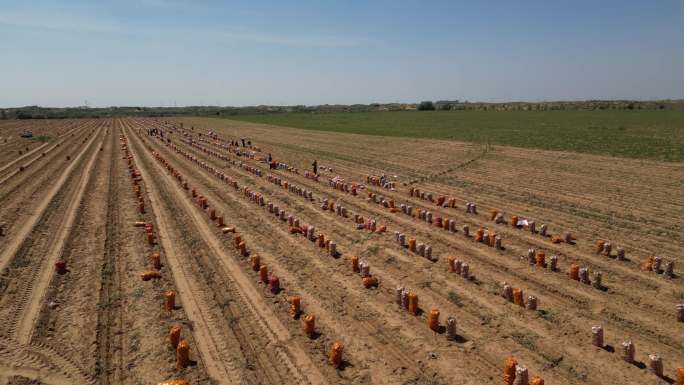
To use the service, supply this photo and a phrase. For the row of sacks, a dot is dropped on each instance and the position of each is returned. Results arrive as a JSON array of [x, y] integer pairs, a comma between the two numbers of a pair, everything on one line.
[[515, 295], [302, 192], [486, 236], [273, 281], [339, 184], [363, 269], [335, 356], [514, 374], [526, 224], [581, 274], [205, 150], [369, 224], [202, 202], [181, 346], [308, 231], [628, 350], [655, 264], [421, 249], [381, 181], [440, 201], [538, 258], [408, 300], [216, 172], [250, 169], [336, 208], [379, 199]]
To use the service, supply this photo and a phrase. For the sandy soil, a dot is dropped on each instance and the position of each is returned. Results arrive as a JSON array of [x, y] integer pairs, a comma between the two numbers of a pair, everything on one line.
[[110, 327]]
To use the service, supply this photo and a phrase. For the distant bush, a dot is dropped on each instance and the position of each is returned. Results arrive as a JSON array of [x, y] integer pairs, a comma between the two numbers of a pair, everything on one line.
[[426, 106]]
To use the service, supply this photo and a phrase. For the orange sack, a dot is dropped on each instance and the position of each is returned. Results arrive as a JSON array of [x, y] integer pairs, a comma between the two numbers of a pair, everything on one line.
[[536, 380], [336, 354], [256, 262], [309, 324], [182, 354], [169, 300], [648, 264], [155, 258], [146, 276], [509, 370], [369, 282], [574, 272], [355, 263], [479, 235], [433, 320], [452, 267], [518, 297], [263, 273], [295, 304], [599, 246], [679, 376], [492, 239], [413, 303], [174, 336]]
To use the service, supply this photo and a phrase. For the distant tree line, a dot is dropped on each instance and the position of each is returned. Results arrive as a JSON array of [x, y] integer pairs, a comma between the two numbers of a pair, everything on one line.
[[36, 112]]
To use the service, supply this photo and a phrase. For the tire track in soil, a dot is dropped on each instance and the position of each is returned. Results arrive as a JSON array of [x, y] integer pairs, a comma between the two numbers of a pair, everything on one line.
[[110, 316], [28, 309], [32, 219], [51, 361], [25, 192], [282, 348]]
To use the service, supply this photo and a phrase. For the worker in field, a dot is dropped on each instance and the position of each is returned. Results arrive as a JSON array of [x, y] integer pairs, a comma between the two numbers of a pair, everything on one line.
[[243, 142], [315, 167]]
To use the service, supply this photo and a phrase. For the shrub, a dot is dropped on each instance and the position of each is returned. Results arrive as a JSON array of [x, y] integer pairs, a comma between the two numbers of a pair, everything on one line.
[[426, 106]]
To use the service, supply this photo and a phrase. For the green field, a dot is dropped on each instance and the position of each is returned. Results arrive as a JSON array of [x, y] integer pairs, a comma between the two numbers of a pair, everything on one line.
[[634, 134]]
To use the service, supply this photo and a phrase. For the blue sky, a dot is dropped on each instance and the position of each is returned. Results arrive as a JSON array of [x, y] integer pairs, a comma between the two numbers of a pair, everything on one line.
[[183, 52]]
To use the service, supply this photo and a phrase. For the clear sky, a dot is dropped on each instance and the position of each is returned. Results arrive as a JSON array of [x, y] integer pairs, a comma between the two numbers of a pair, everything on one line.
[[185, 52]]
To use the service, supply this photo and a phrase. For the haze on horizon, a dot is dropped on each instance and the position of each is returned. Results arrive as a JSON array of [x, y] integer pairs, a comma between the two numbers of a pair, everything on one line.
[[183, 52]]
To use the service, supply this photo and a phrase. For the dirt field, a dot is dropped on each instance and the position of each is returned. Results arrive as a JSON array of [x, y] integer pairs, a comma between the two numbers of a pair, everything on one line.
[[75, 200]]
